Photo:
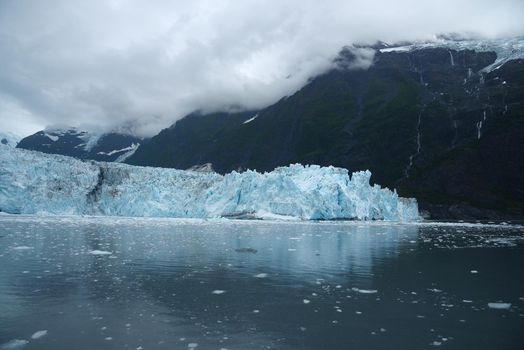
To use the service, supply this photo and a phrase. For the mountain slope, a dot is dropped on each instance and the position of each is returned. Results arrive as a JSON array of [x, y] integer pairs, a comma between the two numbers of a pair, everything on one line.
[[80, 144], [411, 119]]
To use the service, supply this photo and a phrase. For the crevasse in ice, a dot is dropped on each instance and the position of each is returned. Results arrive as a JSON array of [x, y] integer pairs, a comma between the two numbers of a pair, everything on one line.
[[37, 183]]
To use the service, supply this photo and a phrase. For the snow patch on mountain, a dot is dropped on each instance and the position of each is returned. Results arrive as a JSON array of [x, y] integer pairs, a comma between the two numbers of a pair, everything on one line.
[[37, 183], [129, 152], [90, 140], [53, 138], [133, 146], [251, 119]]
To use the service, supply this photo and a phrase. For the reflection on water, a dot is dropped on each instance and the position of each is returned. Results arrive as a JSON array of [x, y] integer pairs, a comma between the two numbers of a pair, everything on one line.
[[106, 283]]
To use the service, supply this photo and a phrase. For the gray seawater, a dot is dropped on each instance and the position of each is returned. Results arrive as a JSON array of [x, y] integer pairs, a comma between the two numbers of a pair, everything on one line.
[[107, 283]]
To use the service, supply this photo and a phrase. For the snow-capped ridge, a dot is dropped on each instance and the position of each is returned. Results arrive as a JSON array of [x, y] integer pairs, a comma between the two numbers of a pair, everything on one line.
[[506, 49]]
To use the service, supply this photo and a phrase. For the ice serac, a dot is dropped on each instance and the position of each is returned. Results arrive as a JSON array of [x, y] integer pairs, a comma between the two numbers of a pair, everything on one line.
[[9, 139], [37, 183]]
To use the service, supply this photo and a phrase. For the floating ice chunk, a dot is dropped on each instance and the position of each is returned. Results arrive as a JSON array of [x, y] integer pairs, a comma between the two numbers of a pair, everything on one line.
[[21, 247], [14, 344], [435, 290], [218, 291], [246, 250], [436, 343], [500, 306], [306, 301], [261, 275], [192, 345], [39, 334], [100, 252], [473, 271], [364, 291], [367, 291]]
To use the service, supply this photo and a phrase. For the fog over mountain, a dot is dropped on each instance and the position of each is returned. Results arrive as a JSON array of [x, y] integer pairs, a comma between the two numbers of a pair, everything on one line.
[[138, 66]]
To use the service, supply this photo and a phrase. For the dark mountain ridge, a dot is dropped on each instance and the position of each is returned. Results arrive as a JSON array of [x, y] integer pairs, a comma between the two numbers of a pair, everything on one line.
[[72, 142]]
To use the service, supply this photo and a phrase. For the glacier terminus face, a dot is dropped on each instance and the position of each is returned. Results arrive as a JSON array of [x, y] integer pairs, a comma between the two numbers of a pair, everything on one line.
[[37, 183]]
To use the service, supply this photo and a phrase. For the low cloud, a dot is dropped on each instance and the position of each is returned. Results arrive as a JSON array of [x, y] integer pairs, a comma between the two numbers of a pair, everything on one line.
[[138, 66]]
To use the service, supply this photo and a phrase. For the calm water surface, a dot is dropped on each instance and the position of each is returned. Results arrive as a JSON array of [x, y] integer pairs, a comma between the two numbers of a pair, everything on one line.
[[106, 283]]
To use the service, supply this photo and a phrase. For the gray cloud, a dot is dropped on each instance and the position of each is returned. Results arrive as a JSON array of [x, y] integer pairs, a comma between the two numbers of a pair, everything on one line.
[[141, 65]]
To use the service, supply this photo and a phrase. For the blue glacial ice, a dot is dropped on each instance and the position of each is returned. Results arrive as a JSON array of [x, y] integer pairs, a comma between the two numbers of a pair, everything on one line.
[[9, 139], [37, 183]]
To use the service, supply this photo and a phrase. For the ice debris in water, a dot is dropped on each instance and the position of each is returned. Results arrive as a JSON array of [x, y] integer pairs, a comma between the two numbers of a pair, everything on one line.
[[100, 252], [218, 291], [39, 334], [261, 275], [14, 344], [246, 250], [364, 291], [500, 306], [38, 183]]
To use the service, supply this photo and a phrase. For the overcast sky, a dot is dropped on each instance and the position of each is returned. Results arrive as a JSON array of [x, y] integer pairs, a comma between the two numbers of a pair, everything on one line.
[[141, 65]]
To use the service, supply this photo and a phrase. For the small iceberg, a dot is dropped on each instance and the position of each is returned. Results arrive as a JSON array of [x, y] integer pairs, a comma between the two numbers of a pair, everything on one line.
[[100, 252], [14, 344], [499, 306], [39, 334]]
